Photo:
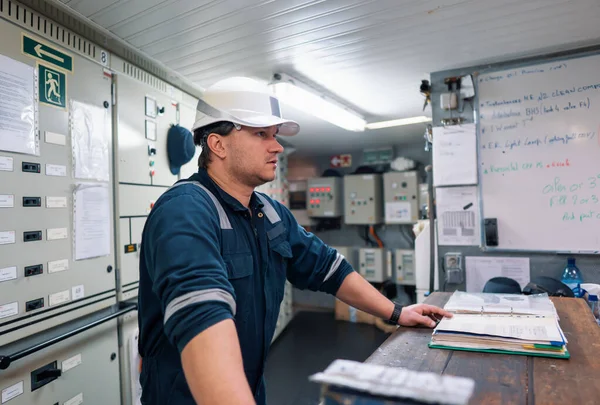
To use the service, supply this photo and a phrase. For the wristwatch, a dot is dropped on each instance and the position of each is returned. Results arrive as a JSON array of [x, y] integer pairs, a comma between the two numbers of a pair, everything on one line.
[[396, 314]]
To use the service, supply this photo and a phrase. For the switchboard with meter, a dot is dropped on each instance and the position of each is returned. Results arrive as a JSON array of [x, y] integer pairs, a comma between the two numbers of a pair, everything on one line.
[[324, 197], [145, 112], [363, 195], [374, 264], [57, 256], [404, 260], [401, 191]]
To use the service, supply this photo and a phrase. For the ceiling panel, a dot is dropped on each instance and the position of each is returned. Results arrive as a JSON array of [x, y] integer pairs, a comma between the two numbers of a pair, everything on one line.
[[372, 54]]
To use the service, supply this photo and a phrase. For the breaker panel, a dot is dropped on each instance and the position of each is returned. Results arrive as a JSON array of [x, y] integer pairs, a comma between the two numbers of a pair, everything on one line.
[[56, 212], [83, 369], [324, 197], [374, 264], [401, 191], [405, 267], [363, 199], [145, 112]]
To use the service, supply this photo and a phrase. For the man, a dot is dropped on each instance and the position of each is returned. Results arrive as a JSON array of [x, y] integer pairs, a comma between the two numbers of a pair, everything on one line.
[[215, 256]]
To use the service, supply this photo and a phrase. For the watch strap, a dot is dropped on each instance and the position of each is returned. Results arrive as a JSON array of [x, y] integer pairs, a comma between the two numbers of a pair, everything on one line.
[[396, 314]]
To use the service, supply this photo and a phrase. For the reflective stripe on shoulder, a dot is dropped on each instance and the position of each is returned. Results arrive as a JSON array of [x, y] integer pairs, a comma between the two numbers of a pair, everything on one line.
[[223, 219], [334, 266], [197, 297], [268, 209]]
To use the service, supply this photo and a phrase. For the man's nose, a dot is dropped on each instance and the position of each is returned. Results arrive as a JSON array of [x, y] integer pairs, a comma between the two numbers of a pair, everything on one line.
[[276, 147]]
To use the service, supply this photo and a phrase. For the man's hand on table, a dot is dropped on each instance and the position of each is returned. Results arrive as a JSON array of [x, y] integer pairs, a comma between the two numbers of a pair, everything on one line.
[[422, 314]]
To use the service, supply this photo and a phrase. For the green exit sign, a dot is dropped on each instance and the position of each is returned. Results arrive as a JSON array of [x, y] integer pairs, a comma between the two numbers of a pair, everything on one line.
[[46, 53], [373, 156]]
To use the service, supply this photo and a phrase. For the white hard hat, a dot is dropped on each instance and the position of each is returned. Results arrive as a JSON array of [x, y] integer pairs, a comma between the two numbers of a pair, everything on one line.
[[242, 101]]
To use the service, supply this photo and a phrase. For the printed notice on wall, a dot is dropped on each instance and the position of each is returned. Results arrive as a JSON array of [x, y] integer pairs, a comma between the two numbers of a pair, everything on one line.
[[454, 155], [480, 269], [91, 206], [90, 137], [458, 216], [18, 108]]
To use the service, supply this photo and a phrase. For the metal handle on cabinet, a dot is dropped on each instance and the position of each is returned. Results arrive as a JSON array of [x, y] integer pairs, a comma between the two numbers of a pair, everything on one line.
[[5, 361]]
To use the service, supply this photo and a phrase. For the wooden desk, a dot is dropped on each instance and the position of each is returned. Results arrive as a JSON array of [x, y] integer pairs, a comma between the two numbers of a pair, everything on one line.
[[510, 379]]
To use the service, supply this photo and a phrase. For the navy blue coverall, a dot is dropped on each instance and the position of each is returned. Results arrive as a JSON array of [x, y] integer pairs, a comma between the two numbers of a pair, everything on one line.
[[205, 259]]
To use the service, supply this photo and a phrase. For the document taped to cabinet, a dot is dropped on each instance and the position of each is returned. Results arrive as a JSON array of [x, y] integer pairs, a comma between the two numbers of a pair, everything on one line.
[[7, 201], [59, 298], [8, 273], [56, 202], [57, 233], [12, 392], [58, 265], [7, 237]]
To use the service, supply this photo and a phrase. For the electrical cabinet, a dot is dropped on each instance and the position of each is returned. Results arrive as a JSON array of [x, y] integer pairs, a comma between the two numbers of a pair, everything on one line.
[[363, 199], [146, 107], [405, 266], [324, 197], [401, 191], [83, 369], [55, 182], [374, 264]]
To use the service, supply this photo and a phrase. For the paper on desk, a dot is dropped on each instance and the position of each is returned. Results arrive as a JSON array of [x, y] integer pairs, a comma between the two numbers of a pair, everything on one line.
[[90, 138], [18, 107], [454, 155], [480, 269], [458, 216], [91, 206], [394, 382], [525, 328]]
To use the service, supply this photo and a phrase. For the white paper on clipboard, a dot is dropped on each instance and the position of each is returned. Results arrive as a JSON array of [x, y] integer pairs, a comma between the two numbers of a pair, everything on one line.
[[90, 137], [454, 155], [91, 230], [18, 107], [458, 216]]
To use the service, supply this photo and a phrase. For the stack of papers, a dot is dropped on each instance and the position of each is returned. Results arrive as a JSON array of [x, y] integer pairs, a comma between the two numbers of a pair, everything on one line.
[[394, 383], [501, 323]]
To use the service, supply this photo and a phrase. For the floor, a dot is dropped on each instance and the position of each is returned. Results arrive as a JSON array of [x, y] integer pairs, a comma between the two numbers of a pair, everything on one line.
[[308, 345]]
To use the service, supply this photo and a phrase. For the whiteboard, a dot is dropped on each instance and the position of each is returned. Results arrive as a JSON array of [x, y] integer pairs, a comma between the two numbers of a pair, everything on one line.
[[539, 155]]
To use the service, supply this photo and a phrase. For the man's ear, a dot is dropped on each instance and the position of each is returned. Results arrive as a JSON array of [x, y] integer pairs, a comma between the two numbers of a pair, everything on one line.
[[216, 145]]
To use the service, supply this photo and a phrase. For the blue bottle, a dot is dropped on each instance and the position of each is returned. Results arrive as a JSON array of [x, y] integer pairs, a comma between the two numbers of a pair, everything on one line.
[[572, 277]]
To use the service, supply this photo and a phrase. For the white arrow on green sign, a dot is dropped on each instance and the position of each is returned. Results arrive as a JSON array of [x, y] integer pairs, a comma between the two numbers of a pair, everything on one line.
[[47, 53]]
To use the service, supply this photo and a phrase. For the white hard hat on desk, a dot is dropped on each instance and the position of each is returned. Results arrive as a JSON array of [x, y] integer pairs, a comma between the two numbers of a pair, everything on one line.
[[242, 101]]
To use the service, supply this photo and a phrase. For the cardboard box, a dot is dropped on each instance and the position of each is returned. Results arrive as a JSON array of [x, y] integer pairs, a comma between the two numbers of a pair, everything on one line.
[[344, 312]]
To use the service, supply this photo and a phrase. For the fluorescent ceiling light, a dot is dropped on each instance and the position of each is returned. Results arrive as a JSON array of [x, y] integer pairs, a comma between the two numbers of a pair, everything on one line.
[[291, 92], [397, 123]]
